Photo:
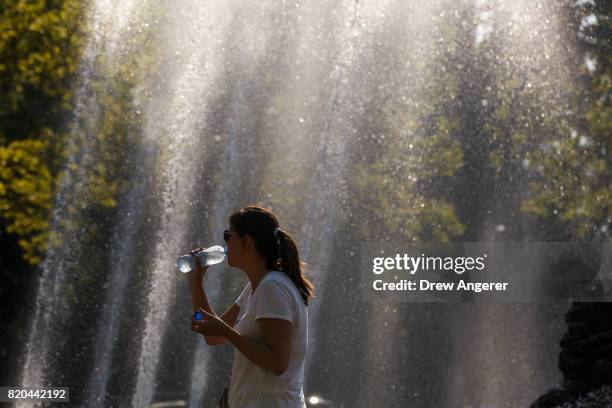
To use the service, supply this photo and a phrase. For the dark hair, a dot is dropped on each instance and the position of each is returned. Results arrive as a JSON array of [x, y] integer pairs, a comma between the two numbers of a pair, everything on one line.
[[280, 253]]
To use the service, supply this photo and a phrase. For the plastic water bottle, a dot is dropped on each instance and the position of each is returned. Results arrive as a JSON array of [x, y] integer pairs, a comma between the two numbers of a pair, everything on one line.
[[209, 256]]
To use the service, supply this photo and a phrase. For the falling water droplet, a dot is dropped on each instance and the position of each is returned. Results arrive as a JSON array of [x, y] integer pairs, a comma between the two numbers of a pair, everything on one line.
[[500, 228]]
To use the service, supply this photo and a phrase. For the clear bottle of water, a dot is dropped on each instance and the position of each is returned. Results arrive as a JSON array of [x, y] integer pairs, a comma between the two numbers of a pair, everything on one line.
[[209, 256]]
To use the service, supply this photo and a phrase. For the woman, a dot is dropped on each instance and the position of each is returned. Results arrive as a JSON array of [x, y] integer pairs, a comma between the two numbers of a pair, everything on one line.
[[268, 323]]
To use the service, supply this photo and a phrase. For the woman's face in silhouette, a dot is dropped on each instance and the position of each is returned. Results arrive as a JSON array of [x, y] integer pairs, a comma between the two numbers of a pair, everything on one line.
[[238, 248]]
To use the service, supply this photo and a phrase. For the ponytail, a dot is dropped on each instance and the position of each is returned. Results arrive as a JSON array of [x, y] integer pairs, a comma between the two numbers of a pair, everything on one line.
[[289, 263]]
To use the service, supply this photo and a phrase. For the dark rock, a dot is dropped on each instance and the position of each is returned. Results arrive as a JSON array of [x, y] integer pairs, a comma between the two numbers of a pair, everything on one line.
[[585, 359]]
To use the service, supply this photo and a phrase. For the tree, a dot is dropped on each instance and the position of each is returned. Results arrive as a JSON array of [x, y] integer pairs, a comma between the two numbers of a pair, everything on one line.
[[572, 186], [40, 45]]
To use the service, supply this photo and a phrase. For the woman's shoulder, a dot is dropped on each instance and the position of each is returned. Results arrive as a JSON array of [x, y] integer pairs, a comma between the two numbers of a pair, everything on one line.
[[279, 277], [283, 282]]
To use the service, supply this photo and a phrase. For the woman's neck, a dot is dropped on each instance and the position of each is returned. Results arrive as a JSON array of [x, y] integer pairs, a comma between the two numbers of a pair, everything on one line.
[[255, 274]]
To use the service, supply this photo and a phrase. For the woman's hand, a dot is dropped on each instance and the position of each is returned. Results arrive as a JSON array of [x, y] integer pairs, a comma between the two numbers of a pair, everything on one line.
[[212, 325], [199, 270]]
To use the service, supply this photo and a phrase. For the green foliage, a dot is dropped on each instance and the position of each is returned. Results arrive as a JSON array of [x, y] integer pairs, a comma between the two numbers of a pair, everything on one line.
[[531, 135], [104, 142], [389, 183], [396, 209], [572, 182], [402, 182], [26, 194], [440, 153], [40, 44]]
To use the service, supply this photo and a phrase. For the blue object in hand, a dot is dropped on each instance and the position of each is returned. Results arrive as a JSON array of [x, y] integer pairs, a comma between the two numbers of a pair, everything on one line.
[[199, 316]]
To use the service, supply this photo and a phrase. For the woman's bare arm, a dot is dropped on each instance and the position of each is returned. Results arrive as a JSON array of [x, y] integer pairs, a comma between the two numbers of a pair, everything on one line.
[[274, 354], [199, 300]]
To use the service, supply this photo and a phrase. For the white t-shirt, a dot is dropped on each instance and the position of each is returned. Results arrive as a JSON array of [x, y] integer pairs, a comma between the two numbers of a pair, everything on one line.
[[276, 296]]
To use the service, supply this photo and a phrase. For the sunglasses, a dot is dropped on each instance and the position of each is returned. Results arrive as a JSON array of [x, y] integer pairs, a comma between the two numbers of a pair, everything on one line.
[[227, 234]]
